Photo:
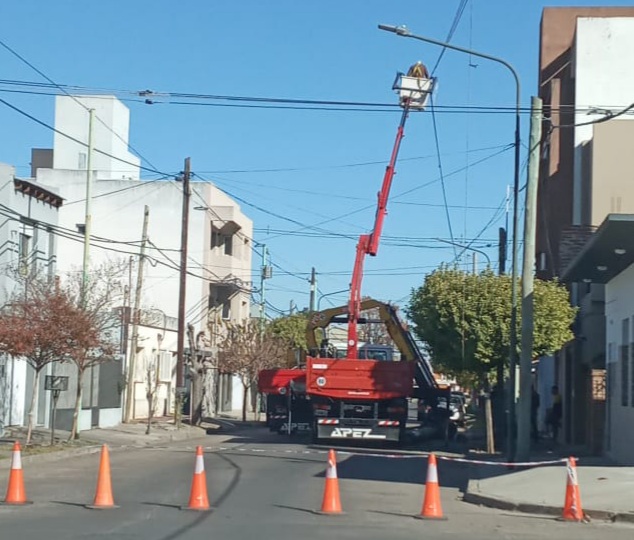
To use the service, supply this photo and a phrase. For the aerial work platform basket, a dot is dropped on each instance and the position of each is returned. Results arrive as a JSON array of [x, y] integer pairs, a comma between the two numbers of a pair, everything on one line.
[[413, 92]]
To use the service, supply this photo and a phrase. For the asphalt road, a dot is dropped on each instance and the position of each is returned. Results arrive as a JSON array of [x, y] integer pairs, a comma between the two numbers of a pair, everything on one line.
[[261, 485]]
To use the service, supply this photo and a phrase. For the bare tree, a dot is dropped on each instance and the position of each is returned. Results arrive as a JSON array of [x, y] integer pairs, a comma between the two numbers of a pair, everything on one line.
[[373, 332], [247, 349], [41, 324], [200, 363], [98, 302], [152, 382]]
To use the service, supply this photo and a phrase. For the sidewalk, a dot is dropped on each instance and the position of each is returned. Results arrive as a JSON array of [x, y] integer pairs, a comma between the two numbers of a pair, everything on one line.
[[606, 489], [122, 436]]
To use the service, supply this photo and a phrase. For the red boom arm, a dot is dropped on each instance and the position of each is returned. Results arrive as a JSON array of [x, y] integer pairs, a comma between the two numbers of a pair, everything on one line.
[[369, 243]]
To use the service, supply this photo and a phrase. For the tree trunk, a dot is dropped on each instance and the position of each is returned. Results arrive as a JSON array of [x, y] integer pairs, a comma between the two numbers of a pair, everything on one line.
[[74, 432], [36, 384], [150, 411], [197, 398], [245, 400]]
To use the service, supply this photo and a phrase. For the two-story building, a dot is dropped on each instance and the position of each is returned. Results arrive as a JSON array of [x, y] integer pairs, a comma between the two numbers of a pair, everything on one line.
[[28, 245]]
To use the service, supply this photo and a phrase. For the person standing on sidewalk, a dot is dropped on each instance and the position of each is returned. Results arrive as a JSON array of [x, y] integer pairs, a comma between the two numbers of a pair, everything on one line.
[[556, 413]]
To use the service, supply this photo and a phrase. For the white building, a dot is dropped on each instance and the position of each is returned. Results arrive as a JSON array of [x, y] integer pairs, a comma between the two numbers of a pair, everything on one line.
[[28, 247], [219, 254], [608, 258]]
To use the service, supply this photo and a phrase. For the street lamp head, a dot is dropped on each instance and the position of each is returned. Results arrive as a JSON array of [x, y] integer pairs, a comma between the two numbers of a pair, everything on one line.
[[399, 30]]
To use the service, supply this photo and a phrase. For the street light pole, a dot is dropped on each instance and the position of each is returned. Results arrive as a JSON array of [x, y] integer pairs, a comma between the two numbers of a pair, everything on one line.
[[330, 294], [404, 32]]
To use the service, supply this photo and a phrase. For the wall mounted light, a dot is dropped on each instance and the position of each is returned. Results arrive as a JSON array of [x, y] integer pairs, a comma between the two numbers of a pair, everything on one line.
[[602, 268], [620, 251], [587, 280]]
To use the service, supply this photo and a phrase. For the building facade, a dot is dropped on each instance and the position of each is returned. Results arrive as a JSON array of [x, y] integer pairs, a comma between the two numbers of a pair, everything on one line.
[[28, 246], [608, 259], [584, 76]]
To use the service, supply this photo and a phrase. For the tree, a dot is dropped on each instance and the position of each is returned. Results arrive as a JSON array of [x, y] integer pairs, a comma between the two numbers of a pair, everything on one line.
[[100, 342], [465, 319], [41, 324], [199, 364], [374, 332], [246, 349], [291, 329], [152, 381]]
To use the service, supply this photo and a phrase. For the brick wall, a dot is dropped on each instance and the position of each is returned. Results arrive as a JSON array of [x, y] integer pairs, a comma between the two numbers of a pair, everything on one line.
[[573, 239]]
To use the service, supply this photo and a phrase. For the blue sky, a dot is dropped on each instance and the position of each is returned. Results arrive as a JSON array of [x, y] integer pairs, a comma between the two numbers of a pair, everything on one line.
[[324, 162]]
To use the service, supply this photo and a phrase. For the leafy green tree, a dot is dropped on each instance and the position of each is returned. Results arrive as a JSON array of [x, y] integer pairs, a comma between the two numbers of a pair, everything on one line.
[[292, 330], [465, 319]]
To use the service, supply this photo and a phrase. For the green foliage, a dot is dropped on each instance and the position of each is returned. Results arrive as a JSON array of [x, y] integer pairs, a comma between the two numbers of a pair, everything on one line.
[[291, 329], [465, 318]]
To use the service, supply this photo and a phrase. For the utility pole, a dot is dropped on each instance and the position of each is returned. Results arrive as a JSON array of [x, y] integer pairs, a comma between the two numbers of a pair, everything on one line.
[[313, 290], [530, 220], [180, 347], [502, 243], [88, 219], [265, 273], [136, 319], [474, 256]]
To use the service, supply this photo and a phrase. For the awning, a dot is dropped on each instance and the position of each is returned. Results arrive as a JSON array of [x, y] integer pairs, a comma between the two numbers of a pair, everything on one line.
[[608, 252]]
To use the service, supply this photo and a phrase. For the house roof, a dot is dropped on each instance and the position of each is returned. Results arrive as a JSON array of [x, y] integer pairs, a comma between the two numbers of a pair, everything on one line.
[[608, 252], [38, 192]]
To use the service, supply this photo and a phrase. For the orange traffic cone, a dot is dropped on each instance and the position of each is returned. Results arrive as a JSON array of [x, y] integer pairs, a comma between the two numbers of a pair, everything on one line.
[[103, 495], [331, 503], [572, 505], [16, 494], [198, 499], [432, 509]]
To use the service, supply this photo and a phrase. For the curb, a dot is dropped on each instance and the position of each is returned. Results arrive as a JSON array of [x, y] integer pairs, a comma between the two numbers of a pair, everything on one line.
[[543, 509], [54, 456]]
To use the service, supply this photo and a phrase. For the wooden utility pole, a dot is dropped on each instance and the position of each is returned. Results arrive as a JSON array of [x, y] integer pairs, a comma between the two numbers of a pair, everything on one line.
[[180, 358], [136, 319], [530, 223]]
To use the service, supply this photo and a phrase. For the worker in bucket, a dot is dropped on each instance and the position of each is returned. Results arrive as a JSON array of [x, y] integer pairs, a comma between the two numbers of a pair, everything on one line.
[[418, 70]]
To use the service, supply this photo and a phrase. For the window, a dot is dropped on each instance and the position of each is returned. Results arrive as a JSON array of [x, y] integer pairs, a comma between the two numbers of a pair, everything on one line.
[[219, 240], [226, 310], [83, 162], [24, 250], [215, 238], [228, 242], [625, 362]]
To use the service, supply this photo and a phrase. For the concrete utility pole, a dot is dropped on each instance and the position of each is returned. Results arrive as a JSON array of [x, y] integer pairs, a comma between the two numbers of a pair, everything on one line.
[[313, 289], [88, 218], [474, 256], [526, 356], [180, 347], [265, 273], [136, 319]]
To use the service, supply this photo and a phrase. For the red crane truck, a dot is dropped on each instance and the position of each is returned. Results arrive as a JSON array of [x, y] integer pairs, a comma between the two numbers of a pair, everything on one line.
[[362, 398]]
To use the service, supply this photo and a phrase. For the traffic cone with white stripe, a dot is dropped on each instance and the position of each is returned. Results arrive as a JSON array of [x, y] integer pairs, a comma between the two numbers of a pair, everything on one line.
[[572, 505], [103, 494], [432, 508], [331, 503], [198, 499], [16, 495]]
